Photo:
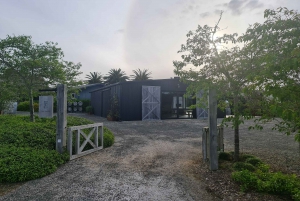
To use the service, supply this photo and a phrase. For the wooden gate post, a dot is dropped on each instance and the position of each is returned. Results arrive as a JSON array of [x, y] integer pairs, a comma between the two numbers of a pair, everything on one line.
[[61, 120], [213, 132]]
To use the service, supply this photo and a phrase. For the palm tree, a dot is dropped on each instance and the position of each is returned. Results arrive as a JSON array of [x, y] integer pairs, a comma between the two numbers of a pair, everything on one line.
[[141, 74], [94, 77], [115, 75]]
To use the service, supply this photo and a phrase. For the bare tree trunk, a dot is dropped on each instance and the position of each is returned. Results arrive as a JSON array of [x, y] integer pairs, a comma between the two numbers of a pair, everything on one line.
[[31, 108], [236, 129]]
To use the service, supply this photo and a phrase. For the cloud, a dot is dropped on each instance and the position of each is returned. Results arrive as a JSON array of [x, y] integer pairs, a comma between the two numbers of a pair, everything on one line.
[[237, 7], [253, 4], [204, 15], [120, 31]]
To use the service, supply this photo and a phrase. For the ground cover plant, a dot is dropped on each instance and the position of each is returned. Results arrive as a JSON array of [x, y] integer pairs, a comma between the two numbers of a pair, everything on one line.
[[252, 174], [27, 149]]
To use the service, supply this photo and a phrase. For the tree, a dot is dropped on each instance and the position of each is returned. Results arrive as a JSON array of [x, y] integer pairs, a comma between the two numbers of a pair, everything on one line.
[[115, 75], [35, 66], [7, 93], [209, 63], [141, 74], [94, 77], [277, 52]]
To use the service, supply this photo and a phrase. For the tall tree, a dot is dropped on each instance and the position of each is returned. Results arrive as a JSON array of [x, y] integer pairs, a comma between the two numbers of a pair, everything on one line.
[[94, 77], [141, 74], [115, 75], [277, 52], [209, 63], [35, 66]]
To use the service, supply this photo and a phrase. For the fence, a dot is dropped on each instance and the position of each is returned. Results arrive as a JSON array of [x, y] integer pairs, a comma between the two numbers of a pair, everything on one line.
[[80, 136]]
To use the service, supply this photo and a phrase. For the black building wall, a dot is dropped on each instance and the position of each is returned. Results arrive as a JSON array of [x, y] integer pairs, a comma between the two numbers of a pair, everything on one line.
[[130, 97]]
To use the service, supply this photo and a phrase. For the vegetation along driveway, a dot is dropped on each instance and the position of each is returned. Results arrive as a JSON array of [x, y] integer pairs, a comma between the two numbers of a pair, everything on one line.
[[153, 160]]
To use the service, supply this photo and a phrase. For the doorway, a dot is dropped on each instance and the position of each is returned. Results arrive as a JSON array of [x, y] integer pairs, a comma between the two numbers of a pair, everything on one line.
[[175, 106]]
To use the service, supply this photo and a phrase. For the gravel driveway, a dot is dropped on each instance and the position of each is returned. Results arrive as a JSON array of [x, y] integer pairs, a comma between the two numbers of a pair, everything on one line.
[[154, 160]]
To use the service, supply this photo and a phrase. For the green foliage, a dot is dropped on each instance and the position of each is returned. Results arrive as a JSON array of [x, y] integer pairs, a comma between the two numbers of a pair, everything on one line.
[[26, 163], [238, 166], [108, 138], [244, 157], [259, 178], [115, 75], [246, 179], [24, 106], [114, 113], [217, 63], [225, 156], [94, 78], [141, 74], [27, 149], [254, 161], [277, 53], [89, 109], [85, 103], [35, 66]]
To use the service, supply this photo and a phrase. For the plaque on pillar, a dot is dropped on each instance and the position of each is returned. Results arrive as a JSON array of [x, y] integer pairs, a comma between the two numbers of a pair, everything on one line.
[[46, 106]]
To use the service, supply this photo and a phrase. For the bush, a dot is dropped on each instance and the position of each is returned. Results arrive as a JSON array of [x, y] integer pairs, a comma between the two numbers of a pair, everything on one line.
[[225, 156], [85, 103], [27, 149], [263, 180], [25, 163], [247, 180], [254, 161], [244, 157], [108, 138], [24, 106], [239, 166], [89, 109]]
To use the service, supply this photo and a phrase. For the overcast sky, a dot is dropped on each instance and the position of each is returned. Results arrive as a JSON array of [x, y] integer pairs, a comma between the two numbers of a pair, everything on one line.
[[126, 34]]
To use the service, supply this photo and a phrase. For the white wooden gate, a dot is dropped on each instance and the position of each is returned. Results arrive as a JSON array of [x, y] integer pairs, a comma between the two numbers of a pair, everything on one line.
[[78, 130], [150, 102]]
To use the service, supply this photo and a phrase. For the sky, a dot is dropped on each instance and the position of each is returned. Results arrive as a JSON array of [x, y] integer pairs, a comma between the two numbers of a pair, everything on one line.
[[127, 34]]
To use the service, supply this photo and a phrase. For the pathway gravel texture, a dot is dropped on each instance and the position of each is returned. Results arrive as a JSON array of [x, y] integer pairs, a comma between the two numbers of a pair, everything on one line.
[[150, 160], [157, 160]]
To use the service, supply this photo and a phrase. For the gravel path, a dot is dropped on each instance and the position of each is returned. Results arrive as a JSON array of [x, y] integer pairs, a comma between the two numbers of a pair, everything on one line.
[[154, 160]]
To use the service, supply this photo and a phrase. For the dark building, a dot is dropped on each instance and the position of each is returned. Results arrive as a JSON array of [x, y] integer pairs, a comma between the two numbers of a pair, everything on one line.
[[85, 90], [143, 100]]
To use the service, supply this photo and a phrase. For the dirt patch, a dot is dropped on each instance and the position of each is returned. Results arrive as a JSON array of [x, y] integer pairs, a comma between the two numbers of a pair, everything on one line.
[[157, 160]]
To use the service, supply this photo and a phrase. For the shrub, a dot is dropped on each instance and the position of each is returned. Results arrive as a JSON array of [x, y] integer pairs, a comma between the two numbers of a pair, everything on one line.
[[85, 103], [282, 184], [27, 149], [247, 180], [244, 157], [24, 106], [108, 138], [25, 163], [239, 166], [263, 180], [89, 109], [225, 156], [254, 161]]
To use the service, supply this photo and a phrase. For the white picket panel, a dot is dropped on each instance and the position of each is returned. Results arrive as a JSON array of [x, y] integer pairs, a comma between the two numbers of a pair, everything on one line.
[[96, 128]]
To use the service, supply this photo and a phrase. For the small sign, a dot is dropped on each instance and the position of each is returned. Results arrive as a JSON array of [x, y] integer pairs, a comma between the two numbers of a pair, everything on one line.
[[46, 106]]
